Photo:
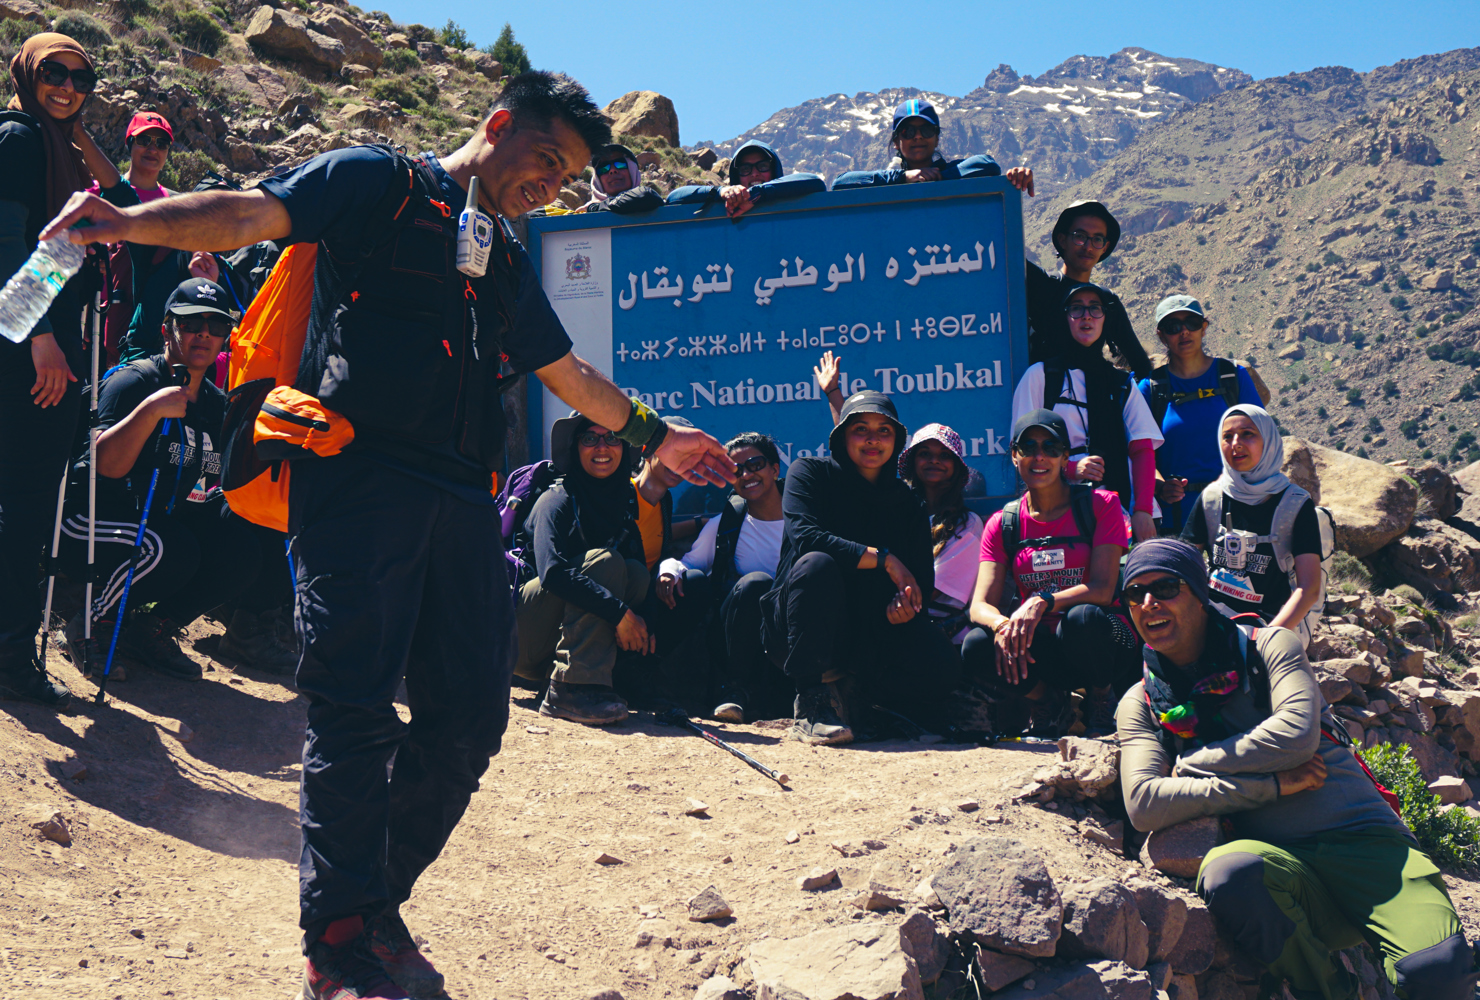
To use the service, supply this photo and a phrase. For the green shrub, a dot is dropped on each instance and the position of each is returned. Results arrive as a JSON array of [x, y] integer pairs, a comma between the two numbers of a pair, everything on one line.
[[184, 169], [13, 33], [1332, 257], [1403, 283], [512, 55], [1354, 397], [398, 89], [1398, 302], [1348, 569], [86, 29], [1390, 213], [400, 61], [195, 29], [1409, 428], [1449, 838], [454, 36]]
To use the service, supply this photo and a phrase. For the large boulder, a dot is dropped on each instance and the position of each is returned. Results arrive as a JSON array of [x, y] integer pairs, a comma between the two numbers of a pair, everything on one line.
[[358, 46], [869, 962], [998, 893], [1432, 556], [1163, 912], [288, 35], [1101, 920], [260, 85], [1179, 849], [645, 112], [1372, 503], [1468, 478], [1439, 490]]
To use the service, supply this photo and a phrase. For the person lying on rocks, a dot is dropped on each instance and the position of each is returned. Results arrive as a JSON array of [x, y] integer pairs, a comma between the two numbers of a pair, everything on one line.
[[851, 584], [1041, 608], [1228, 721], [915, 139], [755, 176]]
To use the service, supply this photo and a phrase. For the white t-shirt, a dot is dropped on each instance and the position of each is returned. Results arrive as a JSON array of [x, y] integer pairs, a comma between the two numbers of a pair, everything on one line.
[[757, 550], [1139, 423]]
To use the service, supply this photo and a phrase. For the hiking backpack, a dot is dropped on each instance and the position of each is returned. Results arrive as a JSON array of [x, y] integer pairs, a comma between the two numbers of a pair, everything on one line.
[[516, 499], [1054, 372], [1281, 528], [1162, 395], [268, 420]]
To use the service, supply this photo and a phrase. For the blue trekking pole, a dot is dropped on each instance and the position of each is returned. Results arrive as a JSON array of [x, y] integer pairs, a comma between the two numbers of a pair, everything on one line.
[[180, 375]]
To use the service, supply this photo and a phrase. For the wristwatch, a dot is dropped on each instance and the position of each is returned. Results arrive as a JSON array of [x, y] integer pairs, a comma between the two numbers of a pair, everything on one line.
[[883, 558], [1047, 595]]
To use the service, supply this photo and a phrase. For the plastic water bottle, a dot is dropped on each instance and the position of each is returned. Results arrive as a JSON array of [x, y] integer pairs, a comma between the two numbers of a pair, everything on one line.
[[31, 290]]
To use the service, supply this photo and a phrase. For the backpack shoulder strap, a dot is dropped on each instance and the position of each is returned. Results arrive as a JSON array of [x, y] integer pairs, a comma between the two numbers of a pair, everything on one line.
[[1228, 381], [1011, 530], [1160, 381], [731, 518], [1282, 525], [1082, 503], [1212, 507]]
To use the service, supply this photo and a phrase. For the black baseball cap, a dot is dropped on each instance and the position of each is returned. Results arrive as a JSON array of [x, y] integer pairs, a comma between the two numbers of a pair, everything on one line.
[[197, 296], [1047, 419]]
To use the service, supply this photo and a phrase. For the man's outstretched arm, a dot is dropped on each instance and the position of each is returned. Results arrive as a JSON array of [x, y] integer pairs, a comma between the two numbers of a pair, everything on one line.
[[686, 450], [207, 220]]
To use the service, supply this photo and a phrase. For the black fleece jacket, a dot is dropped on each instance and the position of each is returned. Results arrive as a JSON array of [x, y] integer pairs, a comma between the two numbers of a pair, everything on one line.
[[566, 522], [830, 508]]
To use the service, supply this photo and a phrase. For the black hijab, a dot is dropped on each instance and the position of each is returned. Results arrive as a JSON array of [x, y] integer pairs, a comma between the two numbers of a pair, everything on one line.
[[1105, 389]]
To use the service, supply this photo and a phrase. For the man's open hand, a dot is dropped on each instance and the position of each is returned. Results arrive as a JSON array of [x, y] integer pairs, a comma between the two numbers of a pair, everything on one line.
[[697, 457]]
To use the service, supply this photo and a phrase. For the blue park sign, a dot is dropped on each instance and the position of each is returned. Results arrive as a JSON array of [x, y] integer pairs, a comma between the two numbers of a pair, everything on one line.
[[918, 287]]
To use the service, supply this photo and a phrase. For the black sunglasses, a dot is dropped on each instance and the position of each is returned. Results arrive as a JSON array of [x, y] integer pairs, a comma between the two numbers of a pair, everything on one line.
[[1164, 589], [746, 169], [607, 168], [590, 439], [1172, 327], [922, 131], [54, 74], [214, 325], [1031, 449], [754, 463], [159, 142]]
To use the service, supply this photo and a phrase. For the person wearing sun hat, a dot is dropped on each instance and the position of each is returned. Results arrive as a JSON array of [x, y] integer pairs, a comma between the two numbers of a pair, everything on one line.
[[933, 464], [1228, 721], [852, 581]]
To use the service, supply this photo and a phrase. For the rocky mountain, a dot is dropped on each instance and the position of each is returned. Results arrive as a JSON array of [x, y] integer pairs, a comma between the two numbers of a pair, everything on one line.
[[1066, 122]]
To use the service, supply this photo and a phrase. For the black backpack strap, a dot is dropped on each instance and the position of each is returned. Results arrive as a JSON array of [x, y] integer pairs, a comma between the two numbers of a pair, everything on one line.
[[1082, 503], [1054, 370], [731, 518], [1011, 531], [1161, 392], [1228, 382]]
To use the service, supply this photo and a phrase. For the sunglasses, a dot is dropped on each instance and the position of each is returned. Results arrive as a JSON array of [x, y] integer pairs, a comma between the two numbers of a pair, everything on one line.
[[54, 74], [746, 169], [1079, 238], [159, 142], [1164, 589], [754, 463], [1172, 327], [1079, 312], [607, 168], [920, 131], [1032, 449], [590, 439], [214, 325]]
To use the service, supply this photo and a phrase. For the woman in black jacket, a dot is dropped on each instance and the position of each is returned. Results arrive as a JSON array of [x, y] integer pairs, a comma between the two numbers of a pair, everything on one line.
[[855, 568]]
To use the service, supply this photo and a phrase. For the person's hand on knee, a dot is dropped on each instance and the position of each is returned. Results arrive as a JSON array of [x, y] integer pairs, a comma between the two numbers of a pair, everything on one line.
[[633, 635]]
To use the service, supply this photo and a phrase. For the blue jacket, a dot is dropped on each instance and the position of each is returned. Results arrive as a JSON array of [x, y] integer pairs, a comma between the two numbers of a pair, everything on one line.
[[791, 186], [981, 165]]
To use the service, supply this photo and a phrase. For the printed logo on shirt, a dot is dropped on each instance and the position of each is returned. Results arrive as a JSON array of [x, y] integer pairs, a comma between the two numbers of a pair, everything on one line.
[[212, 460], [1059, 579], [1047, 560], [1255, 564], [1234, 584]]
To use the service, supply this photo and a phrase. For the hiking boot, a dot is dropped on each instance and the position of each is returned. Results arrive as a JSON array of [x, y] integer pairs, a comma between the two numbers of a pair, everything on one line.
[[348, 971], [96, 654], [23, 678], [1051, 716], [392, 944], [256, 641], [731, 707], [588, 704], [1101, 721], [816, 721], [154, 642]]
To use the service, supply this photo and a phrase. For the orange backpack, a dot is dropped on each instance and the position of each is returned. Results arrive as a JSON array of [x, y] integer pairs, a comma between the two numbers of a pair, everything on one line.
[[267, 420]]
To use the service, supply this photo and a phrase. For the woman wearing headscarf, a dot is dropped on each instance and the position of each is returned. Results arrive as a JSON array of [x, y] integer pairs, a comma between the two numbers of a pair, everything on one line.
[[42, 150], [851, 584], [1260, 530], [1112, 436], [934, 466]]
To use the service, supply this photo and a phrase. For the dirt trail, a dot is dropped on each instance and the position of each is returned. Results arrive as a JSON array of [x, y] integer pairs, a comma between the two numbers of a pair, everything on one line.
[[181, 879]]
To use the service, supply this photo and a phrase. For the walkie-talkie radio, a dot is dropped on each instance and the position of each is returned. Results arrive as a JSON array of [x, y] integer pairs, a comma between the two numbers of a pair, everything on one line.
[[474, 236]]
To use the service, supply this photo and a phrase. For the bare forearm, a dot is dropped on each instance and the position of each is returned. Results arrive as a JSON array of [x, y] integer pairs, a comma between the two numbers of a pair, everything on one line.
[[210, 220], [583, 387], [101, 167], [120, 445], [1302, 599]]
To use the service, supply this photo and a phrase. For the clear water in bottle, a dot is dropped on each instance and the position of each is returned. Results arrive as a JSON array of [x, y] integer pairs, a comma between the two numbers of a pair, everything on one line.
[[32, 289]]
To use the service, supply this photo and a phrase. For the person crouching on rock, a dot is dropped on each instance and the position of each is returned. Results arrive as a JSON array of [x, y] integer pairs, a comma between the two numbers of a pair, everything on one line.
[[1228, 720], [1059, 548], [851, 584]]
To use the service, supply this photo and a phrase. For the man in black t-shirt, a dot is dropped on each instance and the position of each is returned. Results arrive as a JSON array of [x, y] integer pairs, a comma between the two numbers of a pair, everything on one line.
[[156, 431], [396, 542]]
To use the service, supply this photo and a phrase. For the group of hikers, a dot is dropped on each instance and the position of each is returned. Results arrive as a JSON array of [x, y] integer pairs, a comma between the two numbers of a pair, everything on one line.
[[1156, 576]]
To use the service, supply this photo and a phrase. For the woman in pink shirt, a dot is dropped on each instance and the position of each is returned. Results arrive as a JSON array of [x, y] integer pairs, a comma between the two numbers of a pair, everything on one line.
[[1044, 589]]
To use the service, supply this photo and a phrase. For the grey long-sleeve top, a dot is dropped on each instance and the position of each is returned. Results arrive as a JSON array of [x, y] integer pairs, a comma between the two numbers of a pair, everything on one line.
[[1236, 776]]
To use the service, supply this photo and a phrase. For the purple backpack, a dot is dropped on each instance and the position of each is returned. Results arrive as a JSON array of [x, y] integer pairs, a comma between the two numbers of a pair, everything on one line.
[[516, 499]]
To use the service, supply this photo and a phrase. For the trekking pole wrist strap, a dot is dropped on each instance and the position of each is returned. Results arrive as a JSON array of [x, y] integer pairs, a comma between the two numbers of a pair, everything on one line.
[[644, 429]]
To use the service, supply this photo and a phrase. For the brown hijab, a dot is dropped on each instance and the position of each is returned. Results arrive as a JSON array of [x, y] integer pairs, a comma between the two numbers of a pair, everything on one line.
[[65, 170]]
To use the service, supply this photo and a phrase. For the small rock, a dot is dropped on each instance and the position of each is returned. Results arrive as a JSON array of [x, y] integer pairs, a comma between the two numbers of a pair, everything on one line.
[[636, 786], [82, 963], [1163, 912], [136, 932], [719, 988], [695, 808], [51, 825], [874, 845], [877, 896], [709, 905], [1179, 849], [537, 730], [606, 995], [183, 733], [926, 944], [998, 970], [792, 836], [1450, 789], [1110, 835], [80, 774], [1182, 987], [864, 961], [606, 859], [968, 805], [817, 878], [1101, 920], [726, 860], [848, 850], [926, 898]]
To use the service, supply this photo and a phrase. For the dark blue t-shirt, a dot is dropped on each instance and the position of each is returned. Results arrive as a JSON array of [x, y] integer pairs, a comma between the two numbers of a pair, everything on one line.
[[327, 199], [1191, 428]]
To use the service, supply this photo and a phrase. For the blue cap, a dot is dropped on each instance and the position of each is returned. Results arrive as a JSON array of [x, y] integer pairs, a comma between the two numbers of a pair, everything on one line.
[[915, 108]]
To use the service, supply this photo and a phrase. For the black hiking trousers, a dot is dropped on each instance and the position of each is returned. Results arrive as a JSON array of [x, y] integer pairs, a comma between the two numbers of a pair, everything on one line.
[[397, 579]]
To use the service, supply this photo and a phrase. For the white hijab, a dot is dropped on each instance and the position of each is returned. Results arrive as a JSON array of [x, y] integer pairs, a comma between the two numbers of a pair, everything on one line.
[[1265, 479]]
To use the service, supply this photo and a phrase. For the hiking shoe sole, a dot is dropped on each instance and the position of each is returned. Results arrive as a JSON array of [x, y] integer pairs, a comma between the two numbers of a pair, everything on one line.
[[802, 735], [729, 712], [604, 719]]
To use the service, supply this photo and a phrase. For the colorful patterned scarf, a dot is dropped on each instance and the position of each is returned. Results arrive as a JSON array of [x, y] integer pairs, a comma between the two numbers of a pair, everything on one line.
[[1188, 702]]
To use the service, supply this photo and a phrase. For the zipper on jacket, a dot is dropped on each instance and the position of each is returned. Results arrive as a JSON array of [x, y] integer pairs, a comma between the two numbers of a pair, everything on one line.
[[293, 418]]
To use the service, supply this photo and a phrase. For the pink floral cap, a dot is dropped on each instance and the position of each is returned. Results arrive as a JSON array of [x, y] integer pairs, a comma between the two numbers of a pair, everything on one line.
[[932, 432]]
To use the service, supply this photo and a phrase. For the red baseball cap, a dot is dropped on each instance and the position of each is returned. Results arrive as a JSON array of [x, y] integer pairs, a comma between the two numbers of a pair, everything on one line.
[[146, 120]]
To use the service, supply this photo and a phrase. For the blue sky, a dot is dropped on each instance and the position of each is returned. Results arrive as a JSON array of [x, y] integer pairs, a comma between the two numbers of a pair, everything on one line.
[[727, 72]]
